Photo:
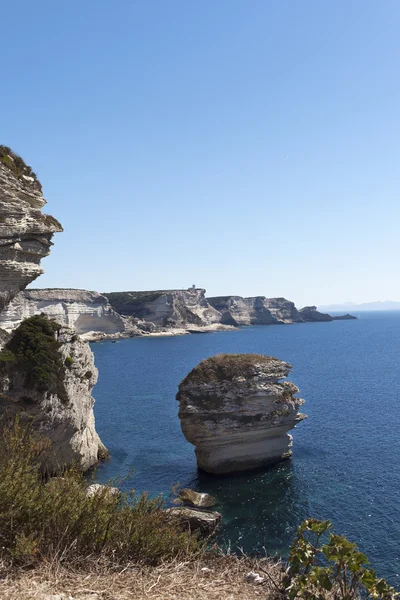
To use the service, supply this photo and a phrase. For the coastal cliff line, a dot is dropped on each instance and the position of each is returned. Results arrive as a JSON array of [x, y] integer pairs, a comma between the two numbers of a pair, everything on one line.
[[115, 315]]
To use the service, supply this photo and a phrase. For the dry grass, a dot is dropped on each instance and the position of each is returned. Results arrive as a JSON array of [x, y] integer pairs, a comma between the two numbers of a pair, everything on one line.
[[209, 579]]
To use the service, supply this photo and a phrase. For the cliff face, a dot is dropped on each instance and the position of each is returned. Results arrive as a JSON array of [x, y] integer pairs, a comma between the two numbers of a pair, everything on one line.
[[237, 413], [81, 310], [46, 372], [260, 310], [257, 310], [166, 308], [25, 232], [53, 389]]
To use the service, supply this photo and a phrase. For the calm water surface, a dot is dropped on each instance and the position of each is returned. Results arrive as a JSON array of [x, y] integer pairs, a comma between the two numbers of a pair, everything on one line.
[[346, 455]]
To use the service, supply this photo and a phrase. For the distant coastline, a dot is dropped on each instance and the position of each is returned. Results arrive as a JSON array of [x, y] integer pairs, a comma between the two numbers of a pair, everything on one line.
[[366, 306]]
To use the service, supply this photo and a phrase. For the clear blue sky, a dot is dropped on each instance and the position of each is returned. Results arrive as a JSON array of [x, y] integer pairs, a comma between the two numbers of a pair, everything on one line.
[[249, 147]]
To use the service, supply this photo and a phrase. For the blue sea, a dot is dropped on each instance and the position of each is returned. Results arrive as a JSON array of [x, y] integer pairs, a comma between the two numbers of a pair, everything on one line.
[[346, 455]]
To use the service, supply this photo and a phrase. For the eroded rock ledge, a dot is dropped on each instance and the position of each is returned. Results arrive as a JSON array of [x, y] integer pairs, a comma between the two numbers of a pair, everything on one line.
[[25, 232], [237, 412]]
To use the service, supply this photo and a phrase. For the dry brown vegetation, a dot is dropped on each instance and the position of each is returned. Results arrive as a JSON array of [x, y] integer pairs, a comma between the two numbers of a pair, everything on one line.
[[221, 578], [225, 367]]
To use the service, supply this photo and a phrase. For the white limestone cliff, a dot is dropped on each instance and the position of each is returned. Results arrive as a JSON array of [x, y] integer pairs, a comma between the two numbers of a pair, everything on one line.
[[237, 412], [167, 308], [25, 232], [256, 310], [62, 413], [81, 310]]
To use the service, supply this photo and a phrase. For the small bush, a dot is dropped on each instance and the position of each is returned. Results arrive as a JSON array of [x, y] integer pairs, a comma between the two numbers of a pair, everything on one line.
[[33, 351], [69, 361], [335, 570], [55, 519]]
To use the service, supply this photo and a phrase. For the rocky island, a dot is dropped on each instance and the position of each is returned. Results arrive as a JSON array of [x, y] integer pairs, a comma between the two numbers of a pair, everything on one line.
[[237, 412]]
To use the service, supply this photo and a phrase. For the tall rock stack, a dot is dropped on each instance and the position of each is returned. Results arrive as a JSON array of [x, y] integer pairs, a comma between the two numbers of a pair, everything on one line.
[[237, 412]]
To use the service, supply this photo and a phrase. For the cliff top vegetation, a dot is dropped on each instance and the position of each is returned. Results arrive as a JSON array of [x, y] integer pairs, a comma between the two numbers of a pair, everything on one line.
[[18, 167], [225, 367], [33, 352]]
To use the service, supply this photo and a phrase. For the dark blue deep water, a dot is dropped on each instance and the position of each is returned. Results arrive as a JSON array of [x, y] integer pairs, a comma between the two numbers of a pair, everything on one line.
[[346, 455]]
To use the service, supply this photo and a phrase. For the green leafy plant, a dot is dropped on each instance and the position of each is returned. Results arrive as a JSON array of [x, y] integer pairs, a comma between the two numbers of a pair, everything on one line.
[[335, 569], [69, 361]]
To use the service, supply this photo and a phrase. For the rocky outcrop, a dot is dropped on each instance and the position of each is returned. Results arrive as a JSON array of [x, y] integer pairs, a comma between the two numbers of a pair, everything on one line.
[[25, 232], [80, 310], [47, 373], [256, 310], [310, 314], [198, 499], [346, 317], [283, 310], [239, 311], [237, 412], [166, 308], [203, 522]]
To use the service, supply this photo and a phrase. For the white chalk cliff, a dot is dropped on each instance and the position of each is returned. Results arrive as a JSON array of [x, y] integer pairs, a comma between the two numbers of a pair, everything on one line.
[[237, 412]]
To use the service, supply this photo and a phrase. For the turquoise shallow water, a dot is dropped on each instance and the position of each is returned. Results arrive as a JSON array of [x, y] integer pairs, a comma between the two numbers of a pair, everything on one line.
[[346, 463]]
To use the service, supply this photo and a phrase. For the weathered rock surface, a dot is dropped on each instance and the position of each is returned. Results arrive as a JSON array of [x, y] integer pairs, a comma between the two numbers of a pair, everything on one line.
[[166, 308], [237, 413], [80, 310], [63, 415], [310, 314], [61, 405], [204, 522], [238, 311], [257, 310], [25, 232], [192, 498]]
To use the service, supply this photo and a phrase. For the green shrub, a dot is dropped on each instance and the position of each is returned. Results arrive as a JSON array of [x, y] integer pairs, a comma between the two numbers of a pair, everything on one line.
[[336, 569], [55, 519], [69, 361], [33, 351]]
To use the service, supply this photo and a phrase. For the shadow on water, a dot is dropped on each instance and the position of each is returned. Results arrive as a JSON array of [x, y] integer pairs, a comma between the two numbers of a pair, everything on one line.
[[264, 505]]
